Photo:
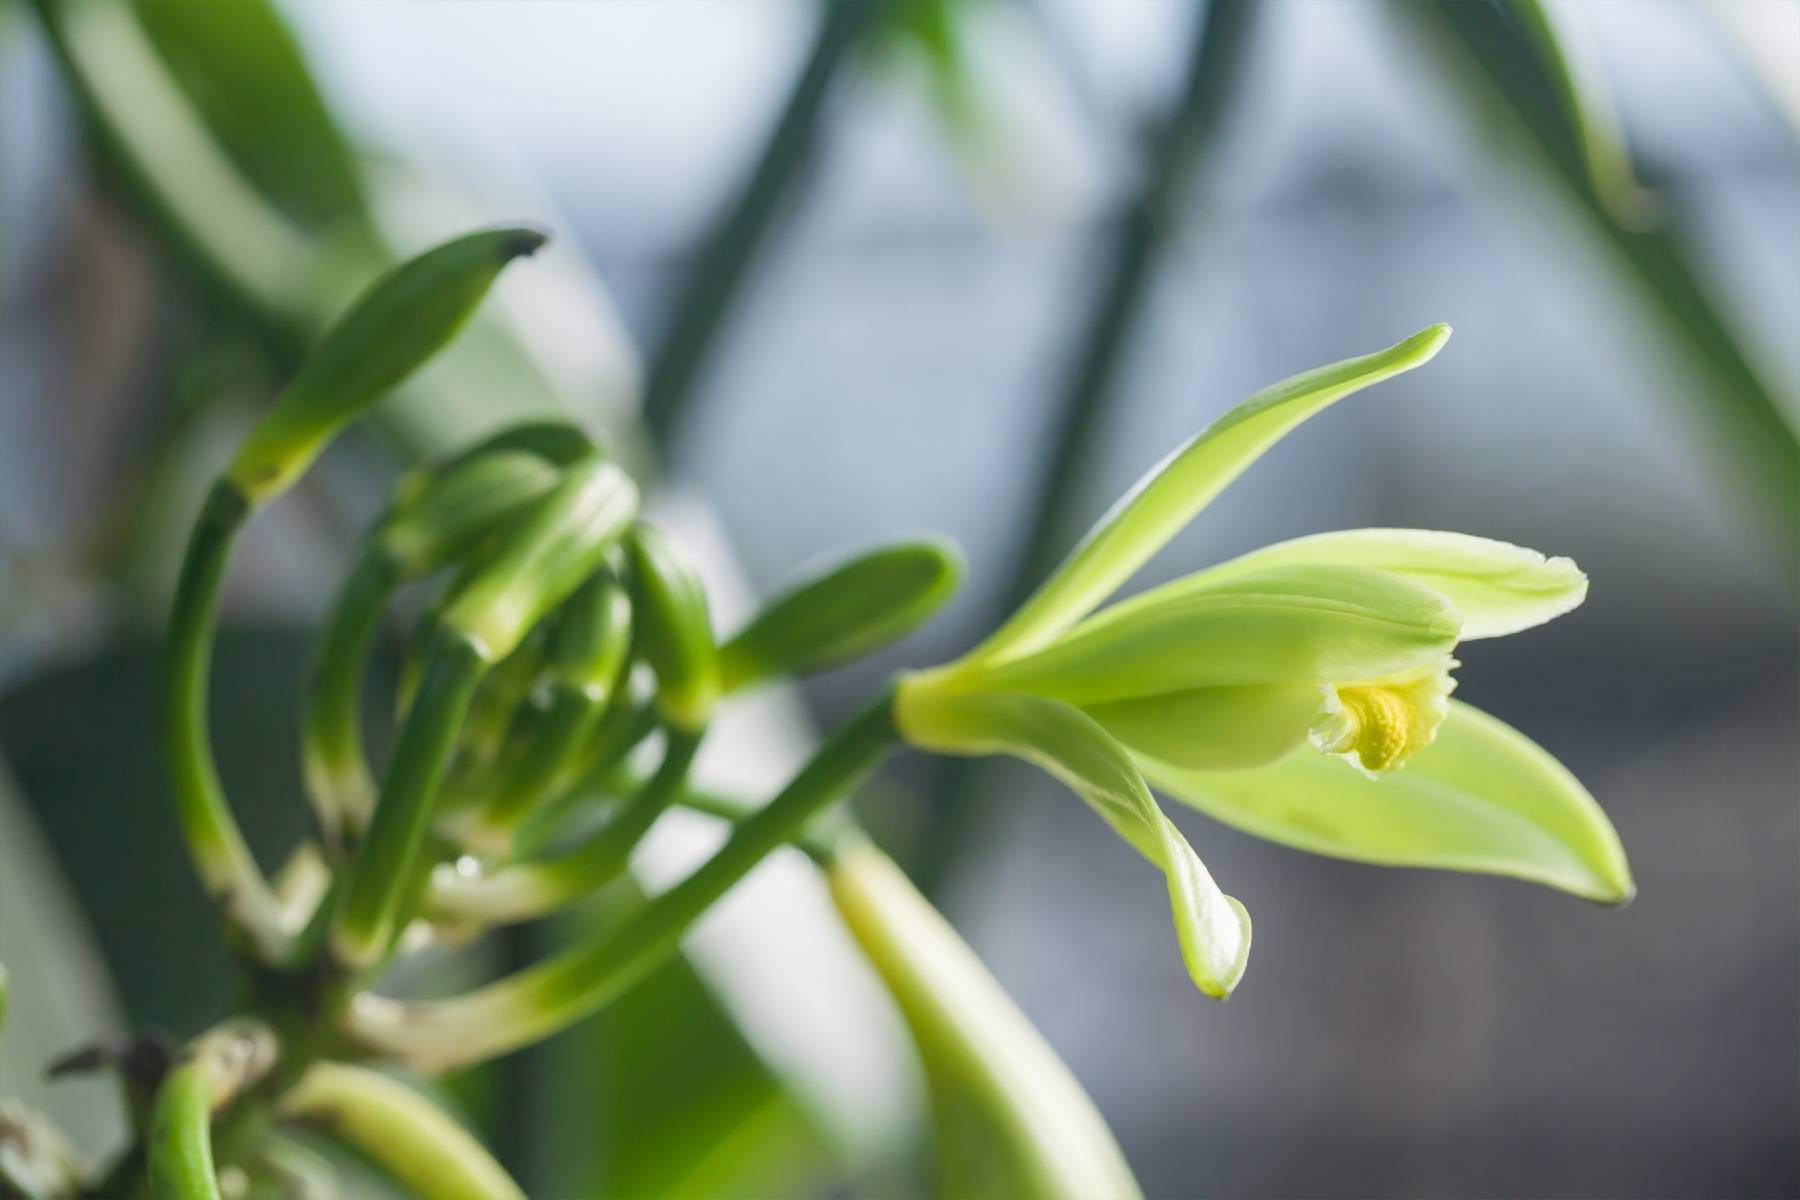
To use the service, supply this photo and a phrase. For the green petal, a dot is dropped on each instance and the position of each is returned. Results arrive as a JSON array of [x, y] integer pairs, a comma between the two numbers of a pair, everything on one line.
[[1177, 488], [1213, 928], [1482, 797], [1284, 625], [1214, 729], [1499, 588]]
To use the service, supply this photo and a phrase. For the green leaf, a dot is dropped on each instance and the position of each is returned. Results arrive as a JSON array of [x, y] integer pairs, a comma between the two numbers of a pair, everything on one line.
[[241, 68], [847, 610], [1498, 588], [1482, 797], [1010, 1119], [663, 1094], [1283, 625], [136, 108], [1176, 489], [1213, 928]]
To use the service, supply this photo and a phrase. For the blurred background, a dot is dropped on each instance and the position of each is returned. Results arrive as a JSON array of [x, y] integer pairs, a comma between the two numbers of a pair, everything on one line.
[[844, 271]]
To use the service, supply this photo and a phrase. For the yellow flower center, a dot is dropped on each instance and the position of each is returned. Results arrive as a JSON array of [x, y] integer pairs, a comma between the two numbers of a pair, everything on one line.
[[1378, 725]]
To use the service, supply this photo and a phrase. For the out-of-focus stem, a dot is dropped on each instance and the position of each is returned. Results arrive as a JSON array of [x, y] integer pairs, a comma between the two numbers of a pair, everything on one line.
[[377, 884], [219, 1066], [412, 1139], [712, 285], [1077, 417], [337, 773], [527, 890], [224, 861], [534, 1003]]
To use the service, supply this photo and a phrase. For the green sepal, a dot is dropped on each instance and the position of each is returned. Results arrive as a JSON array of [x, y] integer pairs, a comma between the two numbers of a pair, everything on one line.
[[1212, 928], [1282, 625], [1497, 588], [1176, 489], [546, 555], [1481, 797], [674, 625], [843, 611], [398, 323]]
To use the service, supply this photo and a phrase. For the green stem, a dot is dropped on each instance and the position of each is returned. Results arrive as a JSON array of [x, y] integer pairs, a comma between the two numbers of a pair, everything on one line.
[[378, 880], [518, 893], [538, 1001], [1144, 229], [425, 1151], [718, 274], [223, 859], [181, 1156], [218, 1068], [338, 779]]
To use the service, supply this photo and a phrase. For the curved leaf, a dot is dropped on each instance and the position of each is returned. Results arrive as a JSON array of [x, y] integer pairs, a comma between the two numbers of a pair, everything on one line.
[[1482, 797], [1011, 1120], [1177, 488], [1213, 928], [1499, 588]]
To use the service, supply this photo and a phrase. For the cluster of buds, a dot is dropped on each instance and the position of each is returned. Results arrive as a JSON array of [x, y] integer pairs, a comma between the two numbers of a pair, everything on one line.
[[1301, 692]]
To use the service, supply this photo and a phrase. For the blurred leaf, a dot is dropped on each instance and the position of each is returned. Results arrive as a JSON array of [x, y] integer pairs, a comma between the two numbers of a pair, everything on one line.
[[661, 1095], [1176, 489], [137, 111], [85, 740], [709, 290], [1515, 76], [60, 997], [152, 116], [240, 67], [1010, 1119], [1481, 797]]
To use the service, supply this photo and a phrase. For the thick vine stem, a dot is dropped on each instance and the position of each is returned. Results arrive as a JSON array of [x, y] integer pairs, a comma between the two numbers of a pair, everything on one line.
[[219, 1066], [416, 1142], [533, 889], [540, 1000], [223, 859]]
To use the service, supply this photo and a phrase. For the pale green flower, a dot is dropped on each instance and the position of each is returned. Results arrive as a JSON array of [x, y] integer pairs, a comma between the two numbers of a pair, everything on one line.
[[1283, 691]]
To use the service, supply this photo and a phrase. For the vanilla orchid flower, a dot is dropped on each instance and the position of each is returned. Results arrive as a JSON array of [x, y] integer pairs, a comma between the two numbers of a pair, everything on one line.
[[1301, 692]]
